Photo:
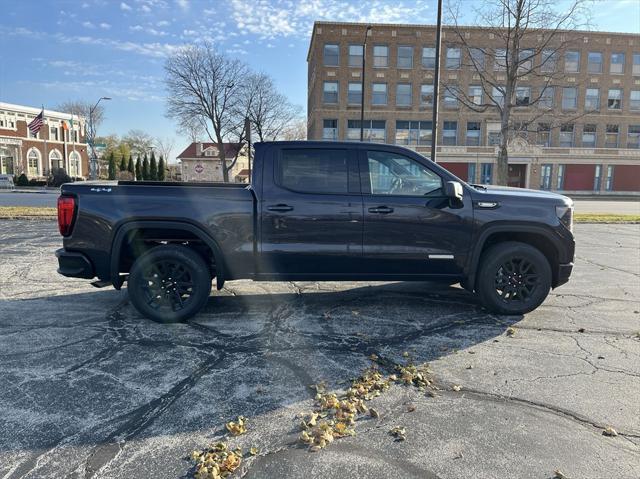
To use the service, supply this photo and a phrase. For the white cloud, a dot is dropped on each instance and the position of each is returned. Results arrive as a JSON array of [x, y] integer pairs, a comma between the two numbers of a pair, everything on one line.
[[105, 26], [145, 8], [136, 28], [183, 4], [88, 24], [124, 7], [162, 23]]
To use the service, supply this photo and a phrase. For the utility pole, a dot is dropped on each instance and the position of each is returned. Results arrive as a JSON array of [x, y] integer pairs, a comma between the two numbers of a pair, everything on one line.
[[364, 62], [436, 84], [93, 168]]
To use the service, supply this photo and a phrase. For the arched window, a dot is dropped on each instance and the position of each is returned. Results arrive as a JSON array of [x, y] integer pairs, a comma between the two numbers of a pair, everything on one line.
[[55, 159], [74, 164], [33, 160]]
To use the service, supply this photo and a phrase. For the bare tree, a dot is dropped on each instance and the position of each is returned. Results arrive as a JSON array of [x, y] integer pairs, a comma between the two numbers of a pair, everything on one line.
[[530, 37], [81, 108], [164, 146], [202, 83], [296, 129], [140, 142], [191, 127], [270, 112]]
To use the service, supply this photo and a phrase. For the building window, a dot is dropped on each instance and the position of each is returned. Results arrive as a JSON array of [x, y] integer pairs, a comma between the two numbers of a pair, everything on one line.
[[475, 95], [486, 173], [74, 164], [589, 136], [330, 92], [592, 99], [614, 101], [477, 58], [498, 96], [525, 61], [523, 95], [572, 61], [569, 98], [33, 160], [429, 58], [450, 133], [608, 182], [405, 57], [560, 177], [426, 95], [403, 94], [354, 93], [544, 134], [6, 162], [53, 133], [597, 177], [453, 58], [380, 56], [566, 135], [55, 159], [471, 173], [76, 136], [611, 138], [330, 130], [331, 55], [500, 60], [594, 62], [548, 61], [636, 64], [617, 63], [633, 137], [355, 55], [413, 132], [546, 172], [494, 137], [634, 100], [546, 98], [374, 130], [473, 133], [450, 97], [379, 94]]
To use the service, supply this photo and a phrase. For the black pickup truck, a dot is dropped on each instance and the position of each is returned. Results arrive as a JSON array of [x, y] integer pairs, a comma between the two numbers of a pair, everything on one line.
[[317, 211]]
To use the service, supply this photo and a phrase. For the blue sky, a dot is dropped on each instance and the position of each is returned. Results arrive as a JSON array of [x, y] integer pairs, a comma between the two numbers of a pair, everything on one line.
[[83, 49]]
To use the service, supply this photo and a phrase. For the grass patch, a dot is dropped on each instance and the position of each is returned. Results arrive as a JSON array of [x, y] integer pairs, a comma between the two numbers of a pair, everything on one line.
[[27, 212], [605, 218]]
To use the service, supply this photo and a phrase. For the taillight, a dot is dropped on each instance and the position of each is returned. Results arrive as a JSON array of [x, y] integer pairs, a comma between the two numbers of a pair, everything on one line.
[[66, 209]]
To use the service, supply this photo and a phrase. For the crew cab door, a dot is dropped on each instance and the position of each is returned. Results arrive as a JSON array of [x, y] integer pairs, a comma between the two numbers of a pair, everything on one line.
[[410, 226], [310, 211]]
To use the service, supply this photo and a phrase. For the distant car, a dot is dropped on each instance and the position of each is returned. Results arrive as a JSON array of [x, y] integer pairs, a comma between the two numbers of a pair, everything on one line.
[[317, 211]]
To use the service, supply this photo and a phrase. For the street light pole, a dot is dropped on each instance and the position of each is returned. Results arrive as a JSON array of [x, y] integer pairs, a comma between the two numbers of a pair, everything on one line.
[[364, 62], [436, 84], [93, 170]]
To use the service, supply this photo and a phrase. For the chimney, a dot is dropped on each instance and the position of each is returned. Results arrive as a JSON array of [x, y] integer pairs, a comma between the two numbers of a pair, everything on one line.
[[199, 148]]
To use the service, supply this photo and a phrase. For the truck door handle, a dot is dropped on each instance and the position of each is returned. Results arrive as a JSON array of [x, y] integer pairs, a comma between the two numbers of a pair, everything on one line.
[[280, 207], [383, 210]]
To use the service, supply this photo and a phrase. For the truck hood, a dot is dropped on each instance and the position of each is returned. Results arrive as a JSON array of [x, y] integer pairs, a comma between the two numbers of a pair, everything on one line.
[[504, 192]]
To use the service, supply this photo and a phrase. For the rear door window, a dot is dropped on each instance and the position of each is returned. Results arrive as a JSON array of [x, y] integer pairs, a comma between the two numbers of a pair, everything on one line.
[[313, 170]]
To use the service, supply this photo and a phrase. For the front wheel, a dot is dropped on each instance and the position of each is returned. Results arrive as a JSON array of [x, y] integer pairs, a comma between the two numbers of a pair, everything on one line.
[[169, 283], [514, 278]]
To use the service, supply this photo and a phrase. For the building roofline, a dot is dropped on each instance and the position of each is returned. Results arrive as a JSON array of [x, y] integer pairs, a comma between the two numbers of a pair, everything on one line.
[[444, 27], [34, 111]]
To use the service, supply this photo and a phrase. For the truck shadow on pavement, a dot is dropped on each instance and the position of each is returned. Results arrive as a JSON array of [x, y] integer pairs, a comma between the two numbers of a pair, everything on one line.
[[85, 372]]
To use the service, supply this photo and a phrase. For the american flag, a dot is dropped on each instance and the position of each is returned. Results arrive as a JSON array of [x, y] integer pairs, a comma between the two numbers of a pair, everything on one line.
[[36, 123]]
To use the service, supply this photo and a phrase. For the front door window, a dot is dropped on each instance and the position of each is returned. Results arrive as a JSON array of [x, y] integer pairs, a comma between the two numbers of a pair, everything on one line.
[[393, 174]]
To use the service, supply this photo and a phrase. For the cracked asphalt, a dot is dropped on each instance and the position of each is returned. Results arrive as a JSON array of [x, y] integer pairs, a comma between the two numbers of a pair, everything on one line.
[[89, 389]]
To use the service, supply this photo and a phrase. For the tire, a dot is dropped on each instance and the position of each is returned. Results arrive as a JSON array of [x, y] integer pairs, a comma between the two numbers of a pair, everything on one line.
[[513, 278], [154, 288]]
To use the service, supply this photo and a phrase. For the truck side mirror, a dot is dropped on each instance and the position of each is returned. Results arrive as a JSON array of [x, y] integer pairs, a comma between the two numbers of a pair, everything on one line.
[[453, 190]]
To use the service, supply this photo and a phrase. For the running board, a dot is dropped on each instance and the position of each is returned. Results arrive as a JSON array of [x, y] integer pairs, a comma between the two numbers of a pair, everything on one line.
[[100, 284]]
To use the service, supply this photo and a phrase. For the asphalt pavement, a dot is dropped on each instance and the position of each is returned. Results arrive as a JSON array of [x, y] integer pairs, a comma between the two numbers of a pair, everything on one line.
[[90, 389]]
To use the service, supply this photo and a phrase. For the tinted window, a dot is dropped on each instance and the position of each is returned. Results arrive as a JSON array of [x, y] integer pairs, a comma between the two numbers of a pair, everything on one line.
[[313, 171], [394, 174]]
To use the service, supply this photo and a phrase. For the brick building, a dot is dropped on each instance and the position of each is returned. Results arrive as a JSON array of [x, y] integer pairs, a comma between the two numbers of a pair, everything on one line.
[[201, 162], [53, 146], [597, 93]]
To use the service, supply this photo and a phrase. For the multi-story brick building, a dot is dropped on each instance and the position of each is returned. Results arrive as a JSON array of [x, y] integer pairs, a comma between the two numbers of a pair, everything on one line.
[[595, 148], [53, 147], [201, 162]]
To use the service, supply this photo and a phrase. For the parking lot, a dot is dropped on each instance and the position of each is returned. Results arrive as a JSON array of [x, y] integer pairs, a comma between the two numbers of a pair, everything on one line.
[[91, 389]]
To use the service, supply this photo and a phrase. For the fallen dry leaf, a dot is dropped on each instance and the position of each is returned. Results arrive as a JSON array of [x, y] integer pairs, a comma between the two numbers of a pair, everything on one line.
[[399, 433], [239, 427], [511, 331], [559, 475], [456, 388], [609, 431]]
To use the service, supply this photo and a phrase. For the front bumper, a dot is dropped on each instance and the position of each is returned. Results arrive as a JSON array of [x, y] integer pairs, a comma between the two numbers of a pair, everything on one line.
[[74, 265], [564, 271]]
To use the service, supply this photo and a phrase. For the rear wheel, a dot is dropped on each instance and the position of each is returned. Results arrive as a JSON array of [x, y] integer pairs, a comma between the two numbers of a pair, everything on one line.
[[514, 278], [169, 283]]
